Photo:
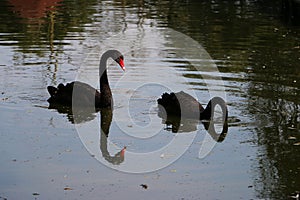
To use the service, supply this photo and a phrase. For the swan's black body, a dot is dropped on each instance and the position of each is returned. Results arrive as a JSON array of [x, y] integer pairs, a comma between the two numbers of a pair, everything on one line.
[[183, 104], [81, 94]]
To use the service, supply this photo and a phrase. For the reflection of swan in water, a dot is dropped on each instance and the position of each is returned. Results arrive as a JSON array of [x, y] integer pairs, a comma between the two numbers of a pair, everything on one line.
[[184, 125], [171, 113], [79, 115], [106, 118]]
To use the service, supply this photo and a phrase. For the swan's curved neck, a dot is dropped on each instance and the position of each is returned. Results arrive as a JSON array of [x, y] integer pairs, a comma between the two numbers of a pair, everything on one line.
[[103, 82], [206, 113], [106, 95]]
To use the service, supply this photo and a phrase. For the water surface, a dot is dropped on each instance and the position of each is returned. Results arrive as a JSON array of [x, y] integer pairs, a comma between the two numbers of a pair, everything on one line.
[[257, 54]]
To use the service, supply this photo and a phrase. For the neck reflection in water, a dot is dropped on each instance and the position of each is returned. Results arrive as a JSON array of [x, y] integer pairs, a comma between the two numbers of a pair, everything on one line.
[[80, 115], [106, 118]]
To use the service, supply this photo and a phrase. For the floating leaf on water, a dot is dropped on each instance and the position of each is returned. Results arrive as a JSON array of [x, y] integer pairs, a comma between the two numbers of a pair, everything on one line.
[[35, 194], [68, 188], [144, 186], [166, 155], [295, 196], [291, 127]]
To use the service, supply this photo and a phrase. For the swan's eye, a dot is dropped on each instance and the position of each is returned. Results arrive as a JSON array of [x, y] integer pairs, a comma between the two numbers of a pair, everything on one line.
[[119, 59]]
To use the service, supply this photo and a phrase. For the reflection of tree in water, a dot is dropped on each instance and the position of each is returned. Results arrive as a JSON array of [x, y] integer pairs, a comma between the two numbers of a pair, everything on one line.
[[20, 16], [82, 115], [38, 29], [274, 101], [270, 60], [278, 136], [291, 11]]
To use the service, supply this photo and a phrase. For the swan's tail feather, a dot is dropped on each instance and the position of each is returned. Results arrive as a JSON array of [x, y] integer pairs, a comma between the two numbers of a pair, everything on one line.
[[52, 90], [166, 99]]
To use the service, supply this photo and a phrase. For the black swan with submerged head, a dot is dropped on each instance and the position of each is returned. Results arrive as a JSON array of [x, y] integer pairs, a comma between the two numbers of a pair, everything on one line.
[[86, 95], [182, 112], [184, 105]]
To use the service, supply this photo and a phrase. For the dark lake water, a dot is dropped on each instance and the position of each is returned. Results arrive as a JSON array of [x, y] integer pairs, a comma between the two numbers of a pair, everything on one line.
[[247, 52]]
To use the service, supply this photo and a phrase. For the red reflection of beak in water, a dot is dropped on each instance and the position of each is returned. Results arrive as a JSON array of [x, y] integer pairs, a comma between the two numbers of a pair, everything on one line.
[[123, 152], [33, 8]]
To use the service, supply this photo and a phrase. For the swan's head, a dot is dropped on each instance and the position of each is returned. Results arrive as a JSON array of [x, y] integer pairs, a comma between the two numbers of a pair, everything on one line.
[[119, 58], [120, 61]]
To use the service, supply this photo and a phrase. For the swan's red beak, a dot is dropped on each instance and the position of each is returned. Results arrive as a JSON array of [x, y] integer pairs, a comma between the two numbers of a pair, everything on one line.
[[121, 63]]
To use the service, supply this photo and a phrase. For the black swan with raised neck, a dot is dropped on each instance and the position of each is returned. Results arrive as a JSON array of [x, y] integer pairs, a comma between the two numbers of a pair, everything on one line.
[[184, 105], [84, 94]]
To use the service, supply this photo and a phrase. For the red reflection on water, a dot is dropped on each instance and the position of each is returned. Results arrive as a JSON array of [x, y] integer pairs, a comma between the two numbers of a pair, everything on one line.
[[33, 8]]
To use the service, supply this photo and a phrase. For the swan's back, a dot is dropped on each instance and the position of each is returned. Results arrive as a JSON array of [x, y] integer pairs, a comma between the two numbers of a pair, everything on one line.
[[84, 94], [180, 104]]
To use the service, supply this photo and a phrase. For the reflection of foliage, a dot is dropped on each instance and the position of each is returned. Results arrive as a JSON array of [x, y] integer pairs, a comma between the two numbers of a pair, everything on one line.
[[32, 33], [290, 12], [274, 92], [240, 37], [279, 159], [71, 15]]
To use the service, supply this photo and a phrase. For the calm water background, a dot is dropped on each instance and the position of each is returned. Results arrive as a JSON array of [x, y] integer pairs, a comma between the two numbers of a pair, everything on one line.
[[257, 52]]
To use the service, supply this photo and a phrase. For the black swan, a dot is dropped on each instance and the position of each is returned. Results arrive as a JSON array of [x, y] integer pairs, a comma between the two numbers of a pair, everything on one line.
[[85, 94], [183, 104]]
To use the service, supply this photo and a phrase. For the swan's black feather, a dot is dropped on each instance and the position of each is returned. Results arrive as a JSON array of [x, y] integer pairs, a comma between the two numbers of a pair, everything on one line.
[[184, 105], [78, 93]]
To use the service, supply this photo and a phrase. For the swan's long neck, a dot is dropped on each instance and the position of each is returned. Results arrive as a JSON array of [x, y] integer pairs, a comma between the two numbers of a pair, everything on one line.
[[205, 114], [106, 96], [104, 84], [208, 112]]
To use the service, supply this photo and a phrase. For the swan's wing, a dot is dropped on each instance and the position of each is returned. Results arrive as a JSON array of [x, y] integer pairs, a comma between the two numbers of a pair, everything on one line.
[[82, 93], [180, 103], [189, 106]]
